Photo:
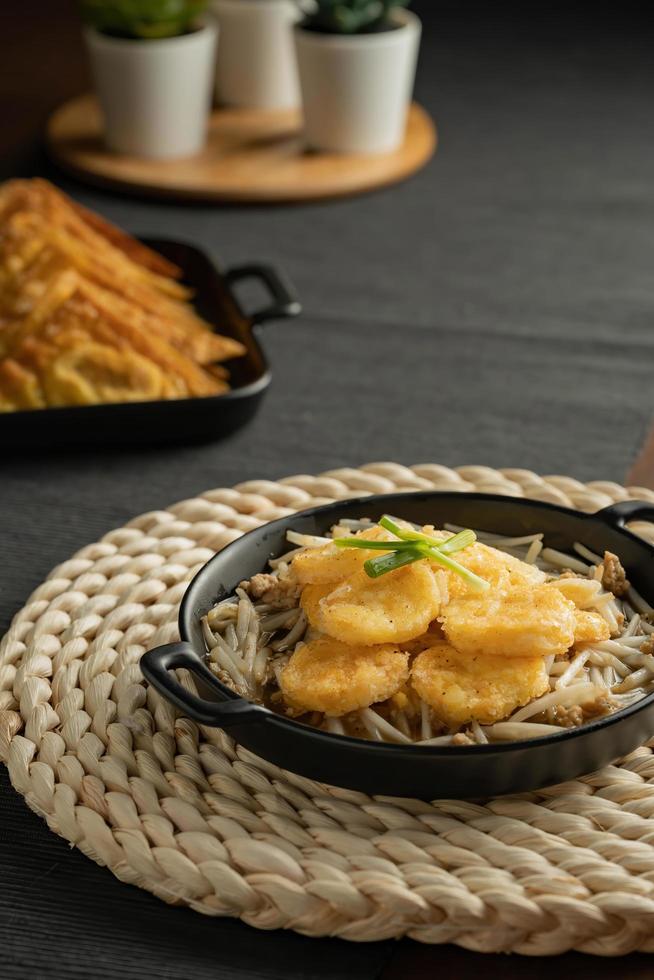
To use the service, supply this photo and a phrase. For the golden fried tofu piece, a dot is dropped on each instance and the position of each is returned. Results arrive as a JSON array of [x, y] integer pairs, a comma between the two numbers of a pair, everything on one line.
[[463, 687], [328, 676], [318, 566], [491, 564], [522, 622], [582, 591], [501, 570], [396, 607], [590, 627], [310, 599]]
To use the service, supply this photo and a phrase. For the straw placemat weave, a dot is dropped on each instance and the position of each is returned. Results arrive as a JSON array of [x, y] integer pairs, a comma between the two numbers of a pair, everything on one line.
[[184, 812]]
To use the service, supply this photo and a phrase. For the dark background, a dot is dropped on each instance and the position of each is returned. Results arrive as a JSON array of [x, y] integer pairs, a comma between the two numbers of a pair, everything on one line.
[[497, 309]]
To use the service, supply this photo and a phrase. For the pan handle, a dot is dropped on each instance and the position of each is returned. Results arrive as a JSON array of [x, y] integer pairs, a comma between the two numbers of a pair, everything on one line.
[[618, 514], [284, 299], [156, 666]]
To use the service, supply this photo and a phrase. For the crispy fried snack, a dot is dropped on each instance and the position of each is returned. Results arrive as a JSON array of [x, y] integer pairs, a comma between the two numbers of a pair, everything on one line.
[[392, 609], [89, 315], [463, 687], [325, 675], [40, 195]]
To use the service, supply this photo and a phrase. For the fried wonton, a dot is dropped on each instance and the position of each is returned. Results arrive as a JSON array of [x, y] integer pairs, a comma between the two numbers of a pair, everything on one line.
[[89, 315]]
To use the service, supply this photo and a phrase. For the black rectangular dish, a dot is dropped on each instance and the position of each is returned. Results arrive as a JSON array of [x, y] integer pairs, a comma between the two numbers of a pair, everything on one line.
[[182, 420]]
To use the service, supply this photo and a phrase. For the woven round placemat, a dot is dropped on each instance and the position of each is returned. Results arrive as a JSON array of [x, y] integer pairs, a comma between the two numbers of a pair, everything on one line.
[[184, 812]]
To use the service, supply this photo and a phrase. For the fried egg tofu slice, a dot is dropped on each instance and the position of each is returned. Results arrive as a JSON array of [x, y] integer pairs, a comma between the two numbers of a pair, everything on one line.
[[330, 564], [523, 622], [393, 608], [310, 600], [331, 677], [500, 570], [492, 564], [463, 687], [590, 627], [582, 591]]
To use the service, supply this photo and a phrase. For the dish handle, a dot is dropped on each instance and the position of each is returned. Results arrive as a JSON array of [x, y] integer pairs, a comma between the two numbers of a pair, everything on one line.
[[156, 666], [618, 514], [284, 299]]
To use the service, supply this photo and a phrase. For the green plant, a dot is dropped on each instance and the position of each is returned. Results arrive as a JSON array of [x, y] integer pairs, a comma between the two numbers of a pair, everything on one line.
[[142, 18], [349, 16]]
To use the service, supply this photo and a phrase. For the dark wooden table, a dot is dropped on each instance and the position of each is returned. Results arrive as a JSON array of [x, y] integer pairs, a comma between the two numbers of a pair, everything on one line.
[[495, 309]]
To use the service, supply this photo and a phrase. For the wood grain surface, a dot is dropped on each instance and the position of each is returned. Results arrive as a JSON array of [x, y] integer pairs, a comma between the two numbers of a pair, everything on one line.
[[251, 156]]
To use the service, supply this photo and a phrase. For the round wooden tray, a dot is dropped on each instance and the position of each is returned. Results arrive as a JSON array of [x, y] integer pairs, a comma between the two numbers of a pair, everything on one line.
[[251, 156]]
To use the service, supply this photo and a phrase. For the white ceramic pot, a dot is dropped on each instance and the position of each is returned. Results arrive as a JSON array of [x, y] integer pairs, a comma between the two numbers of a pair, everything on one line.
[[155, 95], [256, 61], [356, 88]]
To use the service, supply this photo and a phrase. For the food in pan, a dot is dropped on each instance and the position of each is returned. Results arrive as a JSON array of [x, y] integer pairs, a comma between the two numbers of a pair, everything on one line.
[[89, 315], [409, 634]]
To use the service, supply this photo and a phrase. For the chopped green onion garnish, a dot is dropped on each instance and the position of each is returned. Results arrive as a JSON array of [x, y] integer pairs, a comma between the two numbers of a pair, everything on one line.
[[474, 581], [454, 543], [387, 563], [457, 542], [413, 546], [391, 525], [373, 545]]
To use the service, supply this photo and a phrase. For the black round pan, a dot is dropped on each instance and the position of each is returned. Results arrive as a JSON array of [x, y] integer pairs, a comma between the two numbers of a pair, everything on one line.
[[407, 770]]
